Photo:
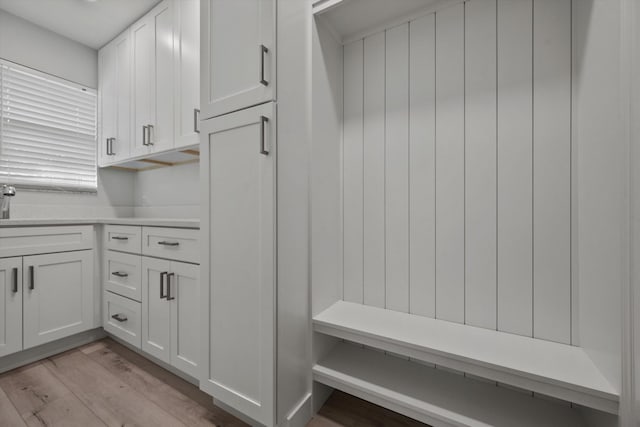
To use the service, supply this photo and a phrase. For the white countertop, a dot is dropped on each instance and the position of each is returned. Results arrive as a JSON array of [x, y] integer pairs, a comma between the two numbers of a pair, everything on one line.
[[151, 222]]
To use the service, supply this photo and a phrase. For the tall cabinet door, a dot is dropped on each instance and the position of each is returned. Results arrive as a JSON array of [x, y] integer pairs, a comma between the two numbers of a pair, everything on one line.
[[141, 84], [184, 294], [10, 305], [187, 72], [239, 151], [156, 310], [58, 296], [238, 54]]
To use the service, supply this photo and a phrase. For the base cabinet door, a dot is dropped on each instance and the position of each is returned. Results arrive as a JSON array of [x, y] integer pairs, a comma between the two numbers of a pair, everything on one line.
[[10, 305], [185, 300], [57, 296], [239, 151], [156, 308]]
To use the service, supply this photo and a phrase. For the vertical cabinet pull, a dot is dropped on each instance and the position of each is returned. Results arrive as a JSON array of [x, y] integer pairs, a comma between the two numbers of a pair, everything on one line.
[[263, 121], [107, 145], [163, 294], [196, 116], [14, 274], [169, 297], [113, 153], [263, 51], [32, 278], [144, 135], [149, 133]]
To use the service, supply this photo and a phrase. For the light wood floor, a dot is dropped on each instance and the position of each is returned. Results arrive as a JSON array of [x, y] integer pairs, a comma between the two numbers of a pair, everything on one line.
[[106, 384]]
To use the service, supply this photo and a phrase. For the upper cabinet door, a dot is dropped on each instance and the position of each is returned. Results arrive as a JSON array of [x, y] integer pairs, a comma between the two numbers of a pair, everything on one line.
[[187, 72], [58, 296], [239, 155], [152, 80], [119, 146], [10, 305], [107, 102], [238, 67]]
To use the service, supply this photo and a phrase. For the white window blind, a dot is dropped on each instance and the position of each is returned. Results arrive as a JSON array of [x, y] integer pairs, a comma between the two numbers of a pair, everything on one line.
[[47, 131]]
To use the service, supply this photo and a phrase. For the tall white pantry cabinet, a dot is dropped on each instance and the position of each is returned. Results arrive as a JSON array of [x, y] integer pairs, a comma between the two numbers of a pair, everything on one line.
[[254, 149]]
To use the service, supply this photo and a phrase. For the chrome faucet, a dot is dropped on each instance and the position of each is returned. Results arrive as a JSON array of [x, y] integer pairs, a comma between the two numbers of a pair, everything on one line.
[[8, 191]]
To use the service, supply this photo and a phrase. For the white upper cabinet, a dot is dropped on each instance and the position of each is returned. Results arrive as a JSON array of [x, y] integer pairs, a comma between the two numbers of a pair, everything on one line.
[[152, 80], [238, 37], [115, 100], [187, 72]]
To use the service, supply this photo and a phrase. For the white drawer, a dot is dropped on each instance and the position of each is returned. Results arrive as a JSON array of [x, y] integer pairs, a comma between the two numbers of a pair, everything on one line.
[[122, 318], [123, 274], [124, 238], [171, 243], [39, 240]]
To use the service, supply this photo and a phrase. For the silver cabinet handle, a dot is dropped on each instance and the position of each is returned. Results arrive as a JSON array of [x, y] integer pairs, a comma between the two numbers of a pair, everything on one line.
[[144, 135], [119, 238], [32, 277], [196, 116], [119, 317], [165, 243], [149, 130], [163, 294], [169, 276], [120, 274], [14, 273], [263, 121], [263, 51]]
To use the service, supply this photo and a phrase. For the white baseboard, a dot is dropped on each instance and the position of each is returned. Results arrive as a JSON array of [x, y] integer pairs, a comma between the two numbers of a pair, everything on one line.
[[301, 414], [25, 357]]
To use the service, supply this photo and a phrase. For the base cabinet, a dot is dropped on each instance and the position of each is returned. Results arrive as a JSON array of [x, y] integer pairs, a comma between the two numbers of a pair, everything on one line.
[[10, 305], [58, 297], [169, 313]]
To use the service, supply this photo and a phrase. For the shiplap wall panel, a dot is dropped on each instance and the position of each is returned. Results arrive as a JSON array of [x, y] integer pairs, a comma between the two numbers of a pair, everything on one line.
[[457, 163], [422, 164], [374, 170], [515, 176], [551, 170], [397, 168], [450, 164], [352, 172], [480, 167]]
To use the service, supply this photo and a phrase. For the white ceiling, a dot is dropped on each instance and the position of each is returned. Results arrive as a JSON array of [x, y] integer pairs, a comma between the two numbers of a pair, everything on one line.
[[92, 23]]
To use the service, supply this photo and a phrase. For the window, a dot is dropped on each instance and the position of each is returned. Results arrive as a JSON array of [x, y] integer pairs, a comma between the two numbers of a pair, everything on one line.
[[47, 131]]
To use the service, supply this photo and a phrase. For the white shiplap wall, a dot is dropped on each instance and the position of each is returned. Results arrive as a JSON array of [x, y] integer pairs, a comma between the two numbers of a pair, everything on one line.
[[457, 167]]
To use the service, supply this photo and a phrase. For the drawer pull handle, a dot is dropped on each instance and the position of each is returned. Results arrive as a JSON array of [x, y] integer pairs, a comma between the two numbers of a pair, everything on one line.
[[120, 274], [163, 294], [32, 277], [120, 317], [169, 276], [14, 289], [165, 243], [119, 238]]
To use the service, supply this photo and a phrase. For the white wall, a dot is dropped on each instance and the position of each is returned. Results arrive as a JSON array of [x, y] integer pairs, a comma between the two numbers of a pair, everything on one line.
[[602, 174], [171, 192], [35, 47]]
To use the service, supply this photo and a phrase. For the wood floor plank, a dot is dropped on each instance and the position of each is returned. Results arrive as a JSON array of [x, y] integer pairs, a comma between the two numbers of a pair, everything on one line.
[[42, 400], [112, 400], [9, 415], [113, 357], [346, 410]]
